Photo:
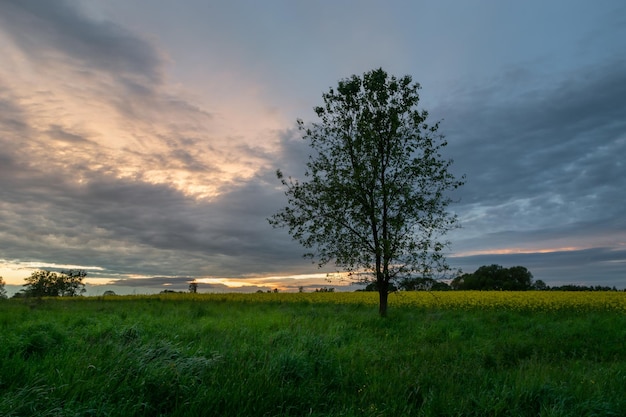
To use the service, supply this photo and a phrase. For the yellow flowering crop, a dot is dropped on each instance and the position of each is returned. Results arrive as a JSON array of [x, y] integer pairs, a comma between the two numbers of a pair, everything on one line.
[[464, 300]]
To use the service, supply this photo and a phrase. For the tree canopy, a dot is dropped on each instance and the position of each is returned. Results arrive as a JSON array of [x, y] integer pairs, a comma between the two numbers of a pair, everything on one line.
[[51, 284], [374, 196]]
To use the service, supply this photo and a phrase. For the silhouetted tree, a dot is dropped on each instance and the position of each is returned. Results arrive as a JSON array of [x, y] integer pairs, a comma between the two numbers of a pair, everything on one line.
[[51, 284], [374, 196], [193, 287], [71, 282]]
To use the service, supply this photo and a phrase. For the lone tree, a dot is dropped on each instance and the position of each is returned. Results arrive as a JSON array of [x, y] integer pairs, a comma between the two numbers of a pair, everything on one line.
[[50, 284], [374, 196]]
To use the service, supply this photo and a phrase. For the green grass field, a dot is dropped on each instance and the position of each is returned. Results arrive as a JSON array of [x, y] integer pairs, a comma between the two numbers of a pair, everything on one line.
[[479, 354]]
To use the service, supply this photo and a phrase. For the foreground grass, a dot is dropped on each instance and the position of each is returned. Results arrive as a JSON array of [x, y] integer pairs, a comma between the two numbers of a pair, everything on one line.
[[488, 354]]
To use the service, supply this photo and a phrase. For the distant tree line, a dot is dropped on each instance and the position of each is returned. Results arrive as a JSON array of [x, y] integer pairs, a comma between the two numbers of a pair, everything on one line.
[[571, 287], [487, 278]]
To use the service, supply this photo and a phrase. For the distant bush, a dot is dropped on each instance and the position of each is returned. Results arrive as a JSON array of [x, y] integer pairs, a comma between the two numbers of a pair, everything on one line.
[[171, 292], [495, 277]]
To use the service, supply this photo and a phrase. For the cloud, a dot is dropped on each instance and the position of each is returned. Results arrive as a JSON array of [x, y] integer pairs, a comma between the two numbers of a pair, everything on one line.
[[544, 159], [309, 283], [60, 30], [542, 140], [131, 226], [89, 98]]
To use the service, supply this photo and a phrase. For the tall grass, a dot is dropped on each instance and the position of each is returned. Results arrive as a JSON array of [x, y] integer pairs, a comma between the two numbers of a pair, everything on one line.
[[294, 356]]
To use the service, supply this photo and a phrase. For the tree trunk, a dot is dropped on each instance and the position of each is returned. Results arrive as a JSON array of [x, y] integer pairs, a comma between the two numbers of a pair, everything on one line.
[[383, 294]]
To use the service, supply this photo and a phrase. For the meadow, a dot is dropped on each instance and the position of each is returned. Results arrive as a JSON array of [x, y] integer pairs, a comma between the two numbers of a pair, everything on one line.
[[458, 353]]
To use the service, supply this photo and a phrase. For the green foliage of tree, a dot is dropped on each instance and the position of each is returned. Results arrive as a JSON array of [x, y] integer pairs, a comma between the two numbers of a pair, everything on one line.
[[375, 192], [51, 284], [495, 277], [3, 291]]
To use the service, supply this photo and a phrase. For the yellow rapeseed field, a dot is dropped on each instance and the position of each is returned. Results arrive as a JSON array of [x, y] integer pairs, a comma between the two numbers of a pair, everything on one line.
[[464, 300]]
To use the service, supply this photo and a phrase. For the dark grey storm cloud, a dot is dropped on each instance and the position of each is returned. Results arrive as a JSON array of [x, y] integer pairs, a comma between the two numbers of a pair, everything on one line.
[[562, 138], [60, 26], [104, 61]]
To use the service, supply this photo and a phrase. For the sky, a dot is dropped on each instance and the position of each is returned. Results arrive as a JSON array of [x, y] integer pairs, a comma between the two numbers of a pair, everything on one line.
[[139, 139]]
